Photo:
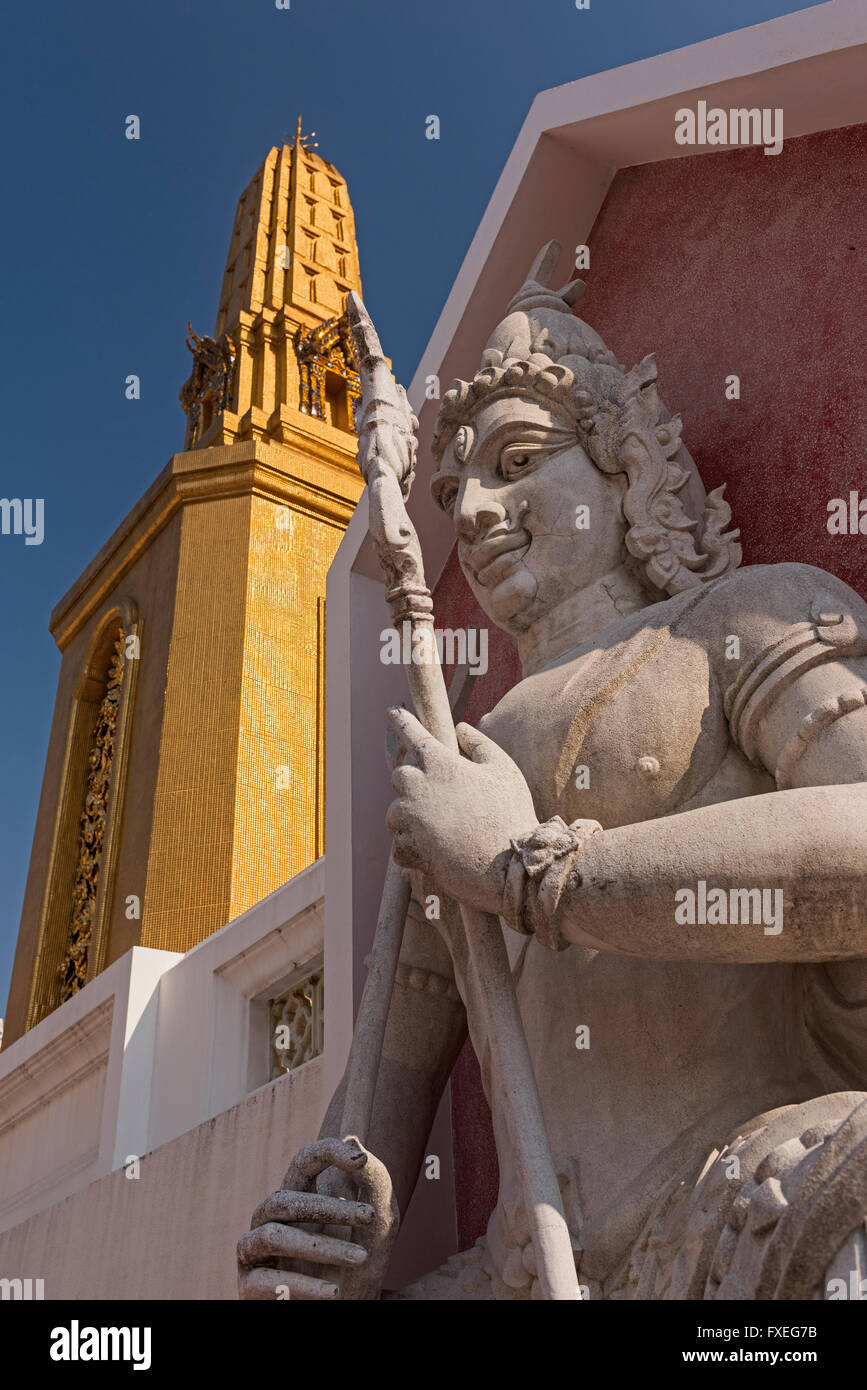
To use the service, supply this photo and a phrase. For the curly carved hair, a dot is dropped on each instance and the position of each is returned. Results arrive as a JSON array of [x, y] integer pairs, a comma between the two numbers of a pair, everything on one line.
[[561, 363]]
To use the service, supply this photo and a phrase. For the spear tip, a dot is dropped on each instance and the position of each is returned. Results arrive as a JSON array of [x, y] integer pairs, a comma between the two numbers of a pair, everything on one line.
[[367, 342]]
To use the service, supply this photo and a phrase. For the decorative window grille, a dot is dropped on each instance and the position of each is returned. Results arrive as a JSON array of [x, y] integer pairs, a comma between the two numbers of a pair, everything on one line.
[[297, 1025]]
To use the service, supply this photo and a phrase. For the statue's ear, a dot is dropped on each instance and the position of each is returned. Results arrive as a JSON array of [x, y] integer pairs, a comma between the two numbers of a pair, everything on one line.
[[641, 377]]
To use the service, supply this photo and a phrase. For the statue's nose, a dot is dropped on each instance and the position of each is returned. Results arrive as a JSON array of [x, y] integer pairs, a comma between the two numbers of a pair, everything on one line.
[[476, 510]]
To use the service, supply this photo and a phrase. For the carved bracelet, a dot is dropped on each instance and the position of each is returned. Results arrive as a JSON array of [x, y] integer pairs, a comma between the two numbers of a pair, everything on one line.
[[537, 871]]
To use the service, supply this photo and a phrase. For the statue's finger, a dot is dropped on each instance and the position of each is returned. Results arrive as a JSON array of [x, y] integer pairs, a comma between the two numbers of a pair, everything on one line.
[[312, 1207], [309, 1162], [419, 746], [395, 818], [406, 779], [265, 1283], [288, 1242], [394, 749], [405, 851], [401, 822], [476, 745]]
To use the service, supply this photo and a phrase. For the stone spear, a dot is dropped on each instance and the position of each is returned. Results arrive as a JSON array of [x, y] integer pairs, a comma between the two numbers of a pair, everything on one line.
[[386, 456]]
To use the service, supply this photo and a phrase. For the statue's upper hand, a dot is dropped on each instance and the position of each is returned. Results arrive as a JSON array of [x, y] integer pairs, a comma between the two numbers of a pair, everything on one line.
[[456, 814], [289, 1253]]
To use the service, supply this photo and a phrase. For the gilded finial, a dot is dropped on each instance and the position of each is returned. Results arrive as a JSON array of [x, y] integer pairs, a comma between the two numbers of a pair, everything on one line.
[[300, 141]]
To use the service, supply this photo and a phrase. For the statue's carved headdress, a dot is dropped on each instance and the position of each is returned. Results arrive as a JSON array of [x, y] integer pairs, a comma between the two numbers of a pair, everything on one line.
[[542, 350]]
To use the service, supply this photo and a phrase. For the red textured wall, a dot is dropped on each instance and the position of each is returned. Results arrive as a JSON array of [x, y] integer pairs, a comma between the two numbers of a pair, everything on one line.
[[722, 263]]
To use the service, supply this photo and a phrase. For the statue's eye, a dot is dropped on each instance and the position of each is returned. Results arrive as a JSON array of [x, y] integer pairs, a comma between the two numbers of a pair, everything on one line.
[[516, 457]]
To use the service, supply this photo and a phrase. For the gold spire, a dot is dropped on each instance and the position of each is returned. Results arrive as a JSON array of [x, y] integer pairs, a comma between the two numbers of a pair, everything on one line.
[[213, 773], [292, 261]]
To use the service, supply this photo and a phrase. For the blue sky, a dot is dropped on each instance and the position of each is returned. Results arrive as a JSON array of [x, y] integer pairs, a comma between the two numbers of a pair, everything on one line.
[[109, 245]]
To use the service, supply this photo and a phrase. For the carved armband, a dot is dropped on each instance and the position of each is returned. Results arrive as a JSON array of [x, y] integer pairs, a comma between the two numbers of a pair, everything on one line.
[[828, 713], [537, 871], [828, 636]]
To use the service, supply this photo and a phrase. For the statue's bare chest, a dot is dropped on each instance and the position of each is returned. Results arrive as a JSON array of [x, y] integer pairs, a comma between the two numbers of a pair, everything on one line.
[[624, 734]]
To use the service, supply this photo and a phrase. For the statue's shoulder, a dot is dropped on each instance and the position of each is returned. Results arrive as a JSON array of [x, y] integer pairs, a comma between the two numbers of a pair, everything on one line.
[[766, 630], [762, 604]]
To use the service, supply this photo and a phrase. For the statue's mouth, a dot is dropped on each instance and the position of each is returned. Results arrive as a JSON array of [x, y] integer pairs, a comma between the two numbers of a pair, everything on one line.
[[490, 561]]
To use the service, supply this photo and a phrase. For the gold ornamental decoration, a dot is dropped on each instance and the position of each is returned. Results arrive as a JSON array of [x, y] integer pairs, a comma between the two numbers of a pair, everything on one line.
[[212, 378], [328, 348], [73, 969]]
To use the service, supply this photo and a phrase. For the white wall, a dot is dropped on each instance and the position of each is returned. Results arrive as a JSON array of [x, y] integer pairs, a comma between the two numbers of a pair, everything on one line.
[[154, 1046], [171, 1232], [165, 1057]]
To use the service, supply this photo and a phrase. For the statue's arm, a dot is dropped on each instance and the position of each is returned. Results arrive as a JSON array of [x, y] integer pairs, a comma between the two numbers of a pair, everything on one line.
[[425, 1032], [809, 841], [624, 890], [470, 823]]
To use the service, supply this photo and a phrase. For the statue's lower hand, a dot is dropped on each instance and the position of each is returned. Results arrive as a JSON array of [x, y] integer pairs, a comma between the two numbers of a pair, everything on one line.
[[455, 816], [288, 1252]]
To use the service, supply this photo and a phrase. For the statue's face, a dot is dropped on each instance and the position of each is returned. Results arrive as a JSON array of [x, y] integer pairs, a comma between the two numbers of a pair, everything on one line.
[[516, 482]]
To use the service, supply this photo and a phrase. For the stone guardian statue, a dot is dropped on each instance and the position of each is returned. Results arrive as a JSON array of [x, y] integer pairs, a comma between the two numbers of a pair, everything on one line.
[[669, 815]]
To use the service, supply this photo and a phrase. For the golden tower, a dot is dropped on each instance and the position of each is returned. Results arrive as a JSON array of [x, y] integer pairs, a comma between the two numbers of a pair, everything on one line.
[[185, 769]]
